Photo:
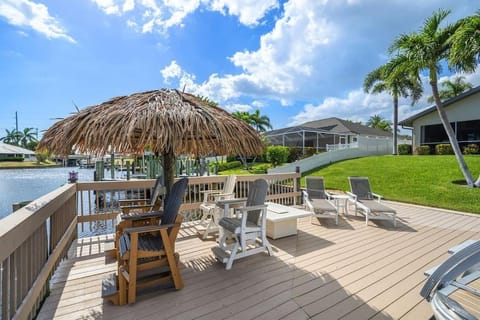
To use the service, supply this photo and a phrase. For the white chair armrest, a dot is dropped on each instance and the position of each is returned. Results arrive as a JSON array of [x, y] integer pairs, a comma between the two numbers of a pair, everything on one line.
[[375, 195], [329, 195], [351, 195]]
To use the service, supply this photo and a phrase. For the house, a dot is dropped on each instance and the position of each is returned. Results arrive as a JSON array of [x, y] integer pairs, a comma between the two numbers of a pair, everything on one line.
[[463, 112], [14, 153], [320, 133]]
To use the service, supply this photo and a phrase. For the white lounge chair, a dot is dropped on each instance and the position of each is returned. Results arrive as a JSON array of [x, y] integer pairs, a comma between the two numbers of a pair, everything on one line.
[[247, 229], [453, 287], [319, 201], [368, 203], [210, 211]]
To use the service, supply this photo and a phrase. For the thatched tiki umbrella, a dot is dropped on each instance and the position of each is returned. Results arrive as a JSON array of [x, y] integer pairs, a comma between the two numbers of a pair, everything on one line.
[[168, 122]]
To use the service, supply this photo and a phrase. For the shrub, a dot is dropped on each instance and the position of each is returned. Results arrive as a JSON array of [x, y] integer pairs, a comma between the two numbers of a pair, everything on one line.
[[277, 155], [41, 157], [16, 158], [295, 153], [404, 149], [471, 149], [422, 150], [222, 166], [443, 149]]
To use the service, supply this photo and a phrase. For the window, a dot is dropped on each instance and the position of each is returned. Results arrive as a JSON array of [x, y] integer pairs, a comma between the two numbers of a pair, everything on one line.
[[434, 134], [468, 131]]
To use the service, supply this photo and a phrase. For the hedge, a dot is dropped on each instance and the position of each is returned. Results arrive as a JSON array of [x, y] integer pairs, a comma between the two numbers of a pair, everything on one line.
[[404, 149], [422, 150], [443, 149]]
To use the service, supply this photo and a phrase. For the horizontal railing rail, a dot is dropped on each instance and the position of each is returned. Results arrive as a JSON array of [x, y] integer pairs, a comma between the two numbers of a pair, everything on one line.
[[37, 237], [34, 239]]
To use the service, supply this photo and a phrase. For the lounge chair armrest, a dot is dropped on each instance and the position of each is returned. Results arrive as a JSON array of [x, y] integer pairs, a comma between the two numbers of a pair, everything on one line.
[[139, 216], [351, 195], [121, 202], [146, 229], [329, 195], [376, 195]]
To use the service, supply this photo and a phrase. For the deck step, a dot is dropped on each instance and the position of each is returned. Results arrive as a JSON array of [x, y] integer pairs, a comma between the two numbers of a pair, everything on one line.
[[220, 254]]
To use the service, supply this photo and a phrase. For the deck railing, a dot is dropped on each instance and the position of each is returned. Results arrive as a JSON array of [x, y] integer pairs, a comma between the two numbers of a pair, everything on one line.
[[35, 239]]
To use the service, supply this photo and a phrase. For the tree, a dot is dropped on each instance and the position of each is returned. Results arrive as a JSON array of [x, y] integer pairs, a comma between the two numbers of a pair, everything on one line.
[[379, 123], [28, 137], [426, 50], [259, 122], [453, 88], [391, 78], [12, 137], [243, 115]]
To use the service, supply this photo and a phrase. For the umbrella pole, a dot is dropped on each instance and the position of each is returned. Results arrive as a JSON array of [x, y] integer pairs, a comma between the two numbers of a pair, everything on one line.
[[168, 170]]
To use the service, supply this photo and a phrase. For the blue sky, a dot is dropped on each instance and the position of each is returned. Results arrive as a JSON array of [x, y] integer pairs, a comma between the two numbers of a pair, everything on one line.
[[296, 61]]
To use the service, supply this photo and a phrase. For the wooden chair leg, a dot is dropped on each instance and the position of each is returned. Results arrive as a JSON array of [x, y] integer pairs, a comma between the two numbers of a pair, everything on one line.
[[132, 268], [176, 276]]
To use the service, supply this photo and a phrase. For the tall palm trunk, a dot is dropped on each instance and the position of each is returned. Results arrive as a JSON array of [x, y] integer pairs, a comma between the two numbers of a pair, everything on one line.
[[448, 128], [395, 124]]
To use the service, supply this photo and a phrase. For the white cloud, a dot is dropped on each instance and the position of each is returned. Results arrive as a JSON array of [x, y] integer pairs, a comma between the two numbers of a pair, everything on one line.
[[238, 107], [159, 15], [108, 6], [249, 12], [320, 52], [25, 13]]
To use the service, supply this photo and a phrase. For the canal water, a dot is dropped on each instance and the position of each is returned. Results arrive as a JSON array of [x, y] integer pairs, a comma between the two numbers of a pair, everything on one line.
[[17, 185]]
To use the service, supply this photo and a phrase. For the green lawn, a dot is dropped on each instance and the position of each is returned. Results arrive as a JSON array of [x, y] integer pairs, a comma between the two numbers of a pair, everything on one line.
[[24, 164], [424, 180]]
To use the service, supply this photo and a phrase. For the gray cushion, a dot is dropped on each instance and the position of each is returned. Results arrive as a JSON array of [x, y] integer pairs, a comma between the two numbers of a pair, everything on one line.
[[376, 206], [322, 205]]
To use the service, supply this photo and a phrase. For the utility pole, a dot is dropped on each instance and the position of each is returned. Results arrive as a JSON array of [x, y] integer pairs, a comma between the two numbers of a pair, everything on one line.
[[16, 121]]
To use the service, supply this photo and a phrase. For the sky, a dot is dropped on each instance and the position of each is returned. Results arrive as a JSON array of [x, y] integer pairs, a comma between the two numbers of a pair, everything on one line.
[[295, 60]]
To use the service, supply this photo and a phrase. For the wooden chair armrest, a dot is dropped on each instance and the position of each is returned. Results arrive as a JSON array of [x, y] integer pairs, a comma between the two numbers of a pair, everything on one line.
[[145, 229], [145, 215], [136, 206], [120, 202]]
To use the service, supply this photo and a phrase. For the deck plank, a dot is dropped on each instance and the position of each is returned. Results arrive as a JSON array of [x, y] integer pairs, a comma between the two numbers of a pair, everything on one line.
[[349, 271]]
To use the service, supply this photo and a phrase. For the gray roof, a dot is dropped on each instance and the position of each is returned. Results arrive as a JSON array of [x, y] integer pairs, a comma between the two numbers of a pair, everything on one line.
[[331, 126], [409, 121], [336, 125], [6, 148]]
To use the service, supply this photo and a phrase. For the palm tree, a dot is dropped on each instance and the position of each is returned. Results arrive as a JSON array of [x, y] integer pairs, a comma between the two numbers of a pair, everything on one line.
[[426, 50], [243, 115], [12, 137], [27, 137], [259, 122], [392, 79], [379, 123], [453, 88]]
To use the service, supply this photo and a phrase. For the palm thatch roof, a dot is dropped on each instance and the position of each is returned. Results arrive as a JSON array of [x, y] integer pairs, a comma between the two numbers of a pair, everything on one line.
[[165, 121]]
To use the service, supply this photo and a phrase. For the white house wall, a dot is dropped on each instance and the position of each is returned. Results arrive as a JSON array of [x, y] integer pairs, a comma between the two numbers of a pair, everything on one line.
[[462, 110]]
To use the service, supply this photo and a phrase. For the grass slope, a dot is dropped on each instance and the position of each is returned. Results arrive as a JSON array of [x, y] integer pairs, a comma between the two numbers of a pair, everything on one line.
[[424, 180]]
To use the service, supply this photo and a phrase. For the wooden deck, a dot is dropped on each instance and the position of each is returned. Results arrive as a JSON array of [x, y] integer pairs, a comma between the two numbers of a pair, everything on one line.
[[349, 271]]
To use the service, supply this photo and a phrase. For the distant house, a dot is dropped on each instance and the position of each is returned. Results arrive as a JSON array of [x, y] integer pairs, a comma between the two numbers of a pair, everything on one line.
[[463, 112], [320, 133], [8, 151]]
